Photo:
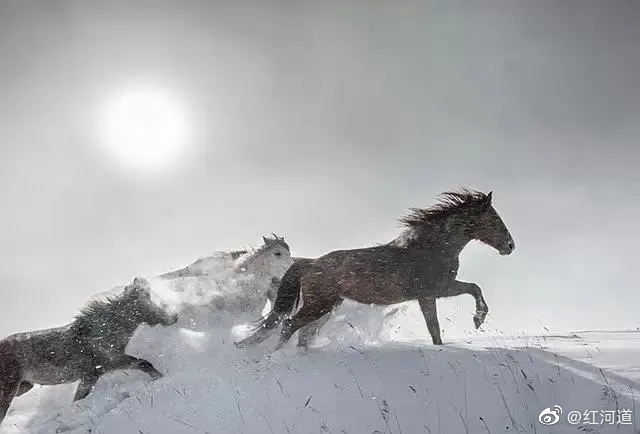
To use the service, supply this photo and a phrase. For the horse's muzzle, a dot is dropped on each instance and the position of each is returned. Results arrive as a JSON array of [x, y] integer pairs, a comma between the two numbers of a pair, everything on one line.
[[508, 249]]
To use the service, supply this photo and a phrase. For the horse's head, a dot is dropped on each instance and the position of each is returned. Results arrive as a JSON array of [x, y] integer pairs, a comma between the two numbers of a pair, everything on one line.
[[489, 228], [277, 256], [460, 216], [138, 296], [273, 259]]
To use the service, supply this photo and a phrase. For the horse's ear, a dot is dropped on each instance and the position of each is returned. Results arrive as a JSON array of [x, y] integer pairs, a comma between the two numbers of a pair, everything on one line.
[[141, 283], [264, 239], [487, 201]]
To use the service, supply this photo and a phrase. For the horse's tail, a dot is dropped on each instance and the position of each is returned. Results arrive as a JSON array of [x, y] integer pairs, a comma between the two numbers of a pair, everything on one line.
[[286, 301]]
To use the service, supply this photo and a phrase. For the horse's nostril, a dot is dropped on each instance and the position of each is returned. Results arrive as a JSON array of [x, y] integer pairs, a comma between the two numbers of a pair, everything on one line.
[[512, 245]]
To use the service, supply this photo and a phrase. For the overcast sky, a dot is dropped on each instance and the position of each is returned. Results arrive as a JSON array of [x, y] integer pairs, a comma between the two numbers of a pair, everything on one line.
[[324, 122]]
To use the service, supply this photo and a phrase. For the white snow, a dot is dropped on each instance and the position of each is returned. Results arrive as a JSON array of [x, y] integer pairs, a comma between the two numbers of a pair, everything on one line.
[[358, 379]]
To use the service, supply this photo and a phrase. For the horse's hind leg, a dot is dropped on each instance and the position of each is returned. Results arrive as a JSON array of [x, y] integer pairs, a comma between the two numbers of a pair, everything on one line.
[[24, 387], [10, 374], [8, 388], [309, 332], [458, 288], [313, 309], [85, 387]]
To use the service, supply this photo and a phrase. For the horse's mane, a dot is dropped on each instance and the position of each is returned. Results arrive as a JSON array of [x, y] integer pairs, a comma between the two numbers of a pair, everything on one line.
[[100, 309], [237, 253], [451, 202]]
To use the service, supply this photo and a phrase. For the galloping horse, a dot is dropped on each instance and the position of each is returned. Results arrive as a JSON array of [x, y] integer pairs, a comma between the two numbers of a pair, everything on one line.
[[92, 345], [422, 266]]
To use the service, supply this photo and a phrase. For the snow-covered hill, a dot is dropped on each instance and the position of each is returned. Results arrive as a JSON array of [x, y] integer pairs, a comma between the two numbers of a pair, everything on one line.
[[395, 388], [355, 381]]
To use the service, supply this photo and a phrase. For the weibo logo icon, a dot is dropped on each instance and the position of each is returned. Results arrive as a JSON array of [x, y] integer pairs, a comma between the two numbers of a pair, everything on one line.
[[550, 417]]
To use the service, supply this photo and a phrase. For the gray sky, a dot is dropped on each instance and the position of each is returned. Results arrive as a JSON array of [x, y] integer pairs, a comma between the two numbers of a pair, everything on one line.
[[324, 122]]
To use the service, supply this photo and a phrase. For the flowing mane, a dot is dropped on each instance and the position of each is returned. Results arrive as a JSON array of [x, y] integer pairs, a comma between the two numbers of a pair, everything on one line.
[[237, 253], [451, 202], [100, 309]]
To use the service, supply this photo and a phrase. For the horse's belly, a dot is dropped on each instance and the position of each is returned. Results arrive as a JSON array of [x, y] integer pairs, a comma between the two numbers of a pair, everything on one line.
[[50, 365], [374, 293], [378, 298], [49, 374]]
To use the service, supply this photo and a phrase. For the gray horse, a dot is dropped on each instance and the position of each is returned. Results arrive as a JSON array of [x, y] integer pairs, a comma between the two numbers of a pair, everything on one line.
[[265, 266], [422, 266], [92, 345]]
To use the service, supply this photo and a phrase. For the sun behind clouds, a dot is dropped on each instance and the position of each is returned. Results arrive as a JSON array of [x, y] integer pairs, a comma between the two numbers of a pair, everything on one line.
[[144, 128]]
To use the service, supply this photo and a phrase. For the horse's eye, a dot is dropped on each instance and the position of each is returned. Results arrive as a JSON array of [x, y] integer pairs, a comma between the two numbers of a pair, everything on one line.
[[278, 253]]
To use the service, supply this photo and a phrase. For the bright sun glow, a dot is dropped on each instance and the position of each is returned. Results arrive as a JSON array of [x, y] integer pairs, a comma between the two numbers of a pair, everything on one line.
[[144, 129]]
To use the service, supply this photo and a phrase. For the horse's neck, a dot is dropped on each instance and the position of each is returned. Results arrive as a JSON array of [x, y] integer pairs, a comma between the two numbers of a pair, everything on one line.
[[249, 265], [404, 239], [446, 238]]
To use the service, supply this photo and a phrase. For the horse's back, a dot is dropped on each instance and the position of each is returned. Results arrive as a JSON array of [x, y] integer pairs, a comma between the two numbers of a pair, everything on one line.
[[39, 340], [205, 265], [380, 275], [377, 257], [37, 335], [41, 356]]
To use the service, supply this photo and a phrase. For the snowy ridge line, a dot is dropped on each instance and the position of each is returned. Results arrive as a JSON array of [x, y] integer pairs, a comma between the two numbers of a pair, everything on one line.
[[626, 386], [606, 331], [575, 334]]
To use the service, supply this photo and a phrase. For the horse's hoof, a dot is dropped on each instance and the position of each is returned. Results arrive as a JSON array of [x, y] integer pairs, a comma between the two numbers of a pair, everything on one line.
[[155, 375], [478, 318]]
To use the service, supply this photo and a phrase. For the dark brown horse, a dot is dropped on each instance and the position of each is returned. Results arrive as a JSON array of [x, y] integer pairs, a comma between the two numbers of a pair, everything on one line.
[[89, 347], [422, 266]]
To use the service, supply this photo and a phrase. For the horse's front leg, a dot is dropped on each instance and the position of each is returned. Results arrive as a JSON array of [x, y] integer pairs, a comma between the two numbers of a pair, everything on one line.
[[457, 288], [430, 313], [130, 362]]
